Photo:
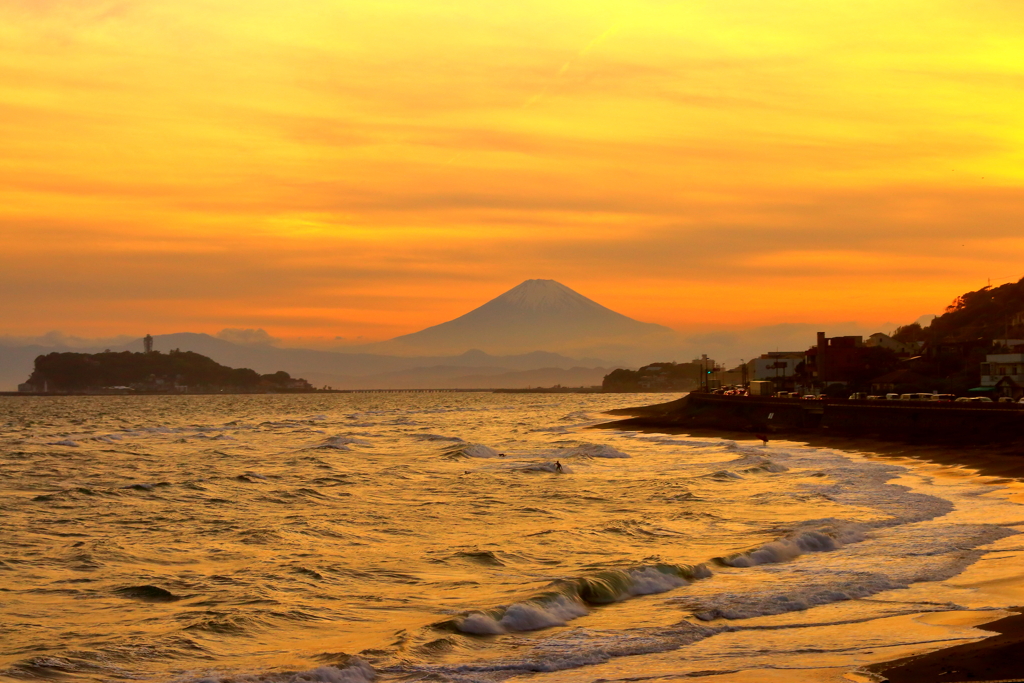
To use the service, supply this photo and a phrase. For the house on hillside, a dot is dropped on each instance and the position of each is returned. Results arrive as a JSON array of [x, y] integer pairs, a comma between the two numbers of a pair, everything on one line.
[[894, 345]]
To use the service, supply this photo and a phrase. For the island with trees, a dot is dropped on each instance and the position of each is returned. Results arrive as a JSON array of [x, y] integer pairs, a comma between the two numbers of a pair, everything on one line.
[[153, 372]]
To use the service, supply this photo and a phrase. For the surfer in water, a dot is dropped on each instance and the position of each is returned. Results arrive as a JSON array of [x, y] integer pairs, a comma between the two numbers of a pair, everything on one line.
[[558, 466], [763, 437]]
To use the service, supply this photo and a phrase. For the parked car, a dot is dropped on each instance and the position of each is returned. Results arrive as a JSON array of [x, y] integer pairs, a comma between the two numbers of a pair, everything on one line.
[[859, 396], [980, 399], [944, 397], [876, 398], [1005, 399], [892, 397]]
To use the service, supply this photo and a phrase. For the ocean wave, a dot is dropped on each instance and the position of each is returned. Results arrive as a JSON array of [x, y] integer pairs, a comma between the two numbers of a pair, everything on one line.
[[765, 466], [552, 467], [594, 450], [437, 437], [355, 671], [472, 450], [572, 598], [340, 443], [572, 649], [790, 547]]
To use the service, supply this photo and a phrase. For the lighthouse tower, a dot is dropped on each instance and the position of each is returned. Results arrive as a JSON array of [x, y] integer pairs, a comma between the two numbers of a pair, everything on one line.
[[148, 342]]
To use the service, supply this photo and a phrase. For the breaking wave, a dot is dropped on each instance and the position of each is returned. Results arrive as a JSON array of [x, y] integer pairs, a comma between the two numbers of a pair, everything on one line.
[[473, 450], [356, 671], [794, 545], [573, 598]]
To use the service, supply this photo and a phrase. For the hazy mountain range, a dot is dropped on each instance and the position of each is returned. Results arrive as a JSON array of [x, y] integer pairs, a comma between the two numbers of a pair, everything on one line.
[[540, 333]]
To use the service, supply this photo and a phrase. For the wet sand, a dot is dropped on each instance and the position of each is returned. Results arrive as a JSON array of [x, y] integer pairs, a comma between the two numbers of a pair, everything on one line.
[[997, 658]]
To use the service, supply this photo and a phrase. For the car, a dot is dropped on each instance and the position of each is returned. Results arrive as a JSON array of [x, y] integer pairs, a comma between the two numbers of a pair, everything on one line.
[[981, 399], [810, 397], [859, 396], [1005, 399], [876, 398], [892, 397], [944, 397], [963, 399], [1021, 401]]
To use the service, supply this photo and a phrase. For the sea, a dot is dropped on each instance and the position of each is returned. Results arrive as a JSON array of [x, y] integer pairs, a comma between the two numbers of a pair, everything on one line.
[[472, 537]]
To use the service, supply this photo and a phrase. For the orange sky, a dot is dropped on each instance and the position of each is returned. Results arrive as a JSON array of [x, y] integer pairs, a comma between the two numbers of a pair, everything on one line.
[[370, 168]]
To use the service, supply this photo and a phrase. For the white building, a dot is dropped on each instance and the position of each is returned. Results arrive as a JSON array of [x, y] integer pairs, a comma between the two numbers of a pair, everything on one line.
[[775, 364]]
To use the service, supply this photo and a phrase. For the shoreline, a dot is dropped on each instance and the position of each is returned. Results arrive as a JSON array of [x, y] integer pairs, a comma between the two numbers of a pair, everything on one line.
[[995, 658]]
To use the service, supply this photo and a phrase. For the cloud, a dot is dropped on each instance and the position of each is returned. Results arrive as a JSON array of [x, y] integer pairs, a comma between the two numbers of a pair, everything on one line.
[[248, 337]]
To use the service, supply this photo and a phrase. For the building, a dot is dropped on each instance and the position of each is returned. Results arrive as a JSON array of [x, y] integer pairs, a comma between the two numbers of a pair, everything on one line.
[[897, 347], [901, 381], [1004, 373], [775, 365], [834, 359]]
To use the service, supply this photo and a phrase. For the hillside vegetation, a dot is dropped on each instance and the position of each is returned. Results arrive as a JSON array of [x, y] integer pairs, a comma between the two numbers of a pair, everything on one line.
[[989, 313], [174, 371]]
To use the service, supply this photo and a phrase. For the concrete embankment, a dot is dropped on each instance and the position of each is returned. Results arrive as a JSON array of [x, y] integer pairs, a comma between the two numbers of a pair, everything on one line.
[[914, 421]]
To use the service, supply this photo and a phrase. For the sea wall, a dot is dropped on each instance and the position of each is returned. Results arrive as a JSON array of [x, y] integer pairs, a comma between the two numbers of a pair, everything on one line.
[[916, 421]]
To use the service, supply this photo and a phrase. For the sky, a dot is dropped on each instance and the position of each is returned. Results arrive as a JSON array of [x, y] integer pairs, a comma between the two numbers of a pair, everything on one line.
[[365, 169]]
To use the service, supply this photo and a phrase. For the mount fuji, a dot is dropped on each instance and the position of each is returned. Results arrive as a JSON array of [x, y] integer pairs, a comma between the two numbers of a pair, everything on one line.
[[536, 315]]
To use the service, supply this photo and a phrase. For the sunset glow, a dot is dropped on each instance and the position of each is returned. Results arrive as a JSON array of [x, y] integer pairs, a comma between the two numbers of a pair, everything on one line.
[[369, 169]]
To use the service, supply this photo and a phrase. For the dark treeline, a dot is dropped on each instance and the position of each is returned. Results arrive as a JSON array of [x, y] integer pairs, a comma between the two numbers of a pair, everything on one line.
[[989, 313], [655, 377]]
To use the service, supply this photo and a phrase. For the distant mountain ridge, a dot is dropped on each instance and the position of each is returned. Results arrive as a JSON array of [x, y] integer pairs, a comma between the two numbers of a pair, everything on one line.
[[536, 314], [537, 333]]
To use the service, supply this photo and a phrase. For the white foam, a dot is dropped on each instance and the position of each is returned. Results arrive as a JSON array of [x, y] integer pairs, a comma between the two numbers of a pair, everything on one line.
[[795, 545], [481, 624], [530, 616], [577, 647]]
